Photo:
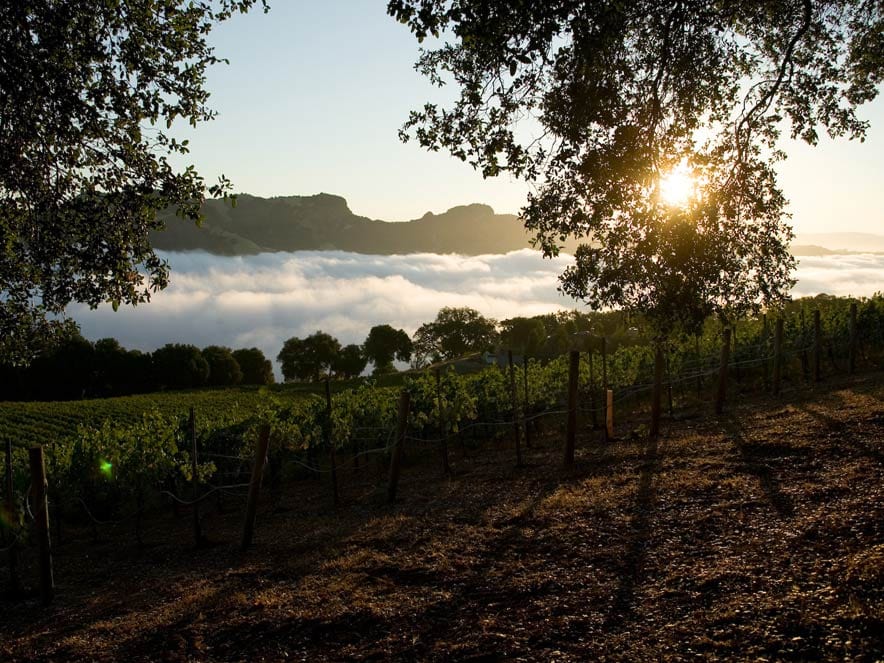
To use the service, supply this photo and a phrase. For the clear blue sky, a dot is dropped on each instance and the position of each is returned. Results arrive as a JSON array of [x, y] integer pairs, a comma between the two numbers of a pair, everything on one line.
[[316, 92]]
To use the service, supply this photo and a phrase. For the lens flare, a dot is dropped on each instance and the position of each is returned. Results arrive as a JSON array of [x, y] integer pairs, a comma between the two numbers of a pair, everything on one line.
[[106, 467]]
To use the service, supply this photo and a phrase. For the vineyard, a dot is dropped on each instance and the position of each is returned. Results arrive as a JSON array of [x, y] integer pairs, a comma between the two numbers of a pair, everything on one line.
[[114, 462]]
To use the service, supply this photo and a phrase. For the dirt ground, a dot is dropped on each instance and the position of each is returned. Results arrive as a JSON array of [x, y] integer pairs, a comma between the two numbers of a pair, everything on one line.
[[758, 535]]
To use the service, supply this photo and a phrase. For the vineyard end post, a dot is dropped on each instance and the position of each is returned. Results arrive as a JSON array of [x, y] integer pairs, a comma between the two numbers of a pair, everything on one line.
[[194, 481], [609, 414], [329, 442], [852, 349], [778, 356], [657, 394]]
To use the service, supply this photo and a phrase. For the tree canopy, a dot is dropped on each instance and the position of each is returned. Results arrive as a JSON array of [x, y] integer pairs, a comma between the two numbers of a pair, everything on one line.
[[384, 344], [524, 335], [88, 93], [454, 333], [308, 358], [601, 104], [256, 368], [223, 368], [179, 366], [349, 362]]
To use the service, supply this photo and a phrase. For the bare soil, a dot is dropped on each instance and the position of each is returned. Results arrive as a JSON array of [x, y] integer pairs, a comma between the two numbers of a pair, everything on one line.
[[756, 535]]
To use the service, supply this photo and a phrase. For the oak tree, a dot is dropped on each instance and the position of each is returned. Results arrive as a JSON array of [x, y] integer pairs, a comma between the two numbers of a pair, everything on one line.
[[652, 133], [607, 107], [456, 331], [384, 344], [309, 358], [256, 368], [88, 94]]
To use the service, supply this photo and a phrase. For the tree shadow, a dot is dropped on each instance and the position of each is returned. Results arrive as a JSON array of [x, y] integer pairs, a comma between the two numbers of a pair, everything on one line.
[[623, 604], [417, 632], [847, 436], [753, 461]]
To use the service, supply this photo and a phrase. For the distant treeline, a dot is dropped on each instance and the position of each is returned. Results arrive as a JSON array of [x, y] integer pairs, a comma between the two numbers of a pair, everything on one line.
[[77, 368]]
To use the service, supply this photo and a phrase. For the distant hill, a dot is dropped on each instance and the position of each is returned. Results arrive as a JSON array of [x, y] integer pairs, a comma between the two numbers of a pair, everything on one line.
[[841, 242], [325, 222], [810, 250]]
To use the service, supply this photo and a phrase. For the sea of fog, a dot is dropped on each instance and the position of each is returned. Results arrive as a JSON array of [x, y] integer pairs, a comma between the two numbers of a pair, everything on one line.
[[262, 300]]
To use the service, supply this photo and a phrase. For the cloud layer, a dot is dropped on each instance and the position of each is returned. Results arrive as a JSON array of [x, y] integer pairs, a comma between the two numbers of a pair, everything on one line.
[[263, 300]]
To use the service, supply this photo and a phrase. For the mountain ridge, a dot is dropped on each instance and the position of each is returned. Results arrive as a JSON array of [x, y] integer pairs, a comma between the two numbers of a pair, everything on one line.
[[325, 221]]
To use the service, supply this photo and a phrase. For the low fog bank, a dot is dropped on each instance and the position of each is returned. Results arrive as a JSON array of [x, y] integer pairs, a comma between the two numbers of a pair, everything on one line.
[[264, 299]]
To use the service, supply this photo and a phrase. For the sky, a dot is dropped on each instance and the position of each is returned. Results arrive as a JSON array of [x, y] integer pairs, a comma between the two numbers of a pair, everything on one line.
[[315, 94]]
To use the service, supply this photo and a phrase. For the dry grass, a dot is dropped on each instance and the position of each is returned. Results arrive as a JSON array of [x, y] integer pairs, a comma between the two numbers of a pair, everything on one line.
[[759, 535]]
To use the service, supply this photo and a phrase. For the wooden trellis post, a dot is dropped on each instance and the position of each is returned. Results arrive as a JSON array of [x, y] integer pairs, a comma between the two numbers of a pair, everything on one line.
[[778, 356], [442, 424], [852, 348], [526, 408], [721, 393], [817, 346], [657, 395], [609, 414], [255, 486], [396, 458], [515, 403], [39, 488], [329, 442], [571, 435], [14, 585], [194, 480], [765, 337]]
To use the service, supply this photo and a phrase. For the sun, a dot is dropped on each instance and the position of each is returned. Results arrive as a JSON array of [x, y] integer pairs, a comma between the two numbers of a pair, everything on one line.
[[678, 187]]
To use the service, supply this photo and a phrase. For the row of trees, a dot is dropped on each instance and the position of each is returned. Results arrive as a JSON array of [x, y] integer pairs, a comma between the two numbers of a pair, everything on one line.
[[77, 368], [322, 354], [454, 333], [457, 332]]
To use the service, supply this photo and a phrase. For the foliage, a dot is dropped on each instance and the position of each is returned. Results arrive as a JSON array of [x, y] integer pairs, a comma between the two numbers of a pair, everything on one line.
[[383, 344], [179, 366], [443, 405], [349, 362], [619, 96], [113, 453], [89, 91], [64, 370], [308, 358], [256, 368], [223, 367], [524, 335], [454, 333]]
